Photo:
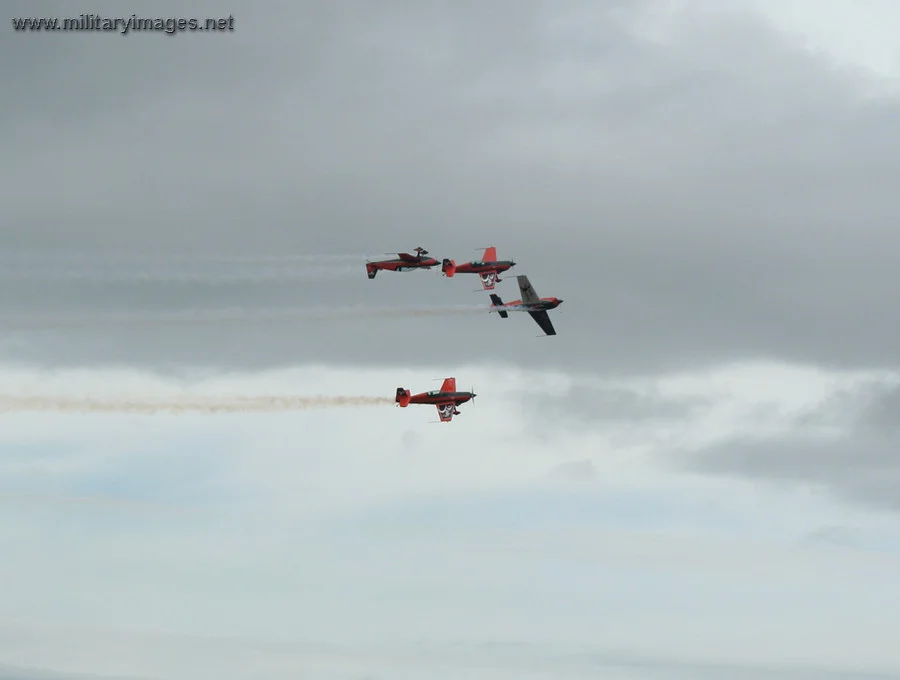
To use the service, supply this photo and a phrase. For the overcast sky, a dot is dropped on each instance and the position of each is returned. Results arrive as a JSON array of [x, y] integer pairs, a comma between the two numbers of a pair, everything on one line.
[[695, 478]]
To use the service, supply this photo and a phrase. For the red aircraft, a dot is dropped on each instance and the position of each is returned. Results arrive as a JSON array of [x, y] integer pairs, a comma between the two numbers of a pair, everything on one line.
[[489, 268], [403, 263], [445, 399], [536, 306]]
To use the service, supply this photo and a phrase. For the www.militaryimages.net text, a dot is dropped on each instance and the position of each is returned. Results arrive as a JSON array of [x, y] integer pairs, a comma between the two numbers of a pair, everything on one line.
[[123, 25]]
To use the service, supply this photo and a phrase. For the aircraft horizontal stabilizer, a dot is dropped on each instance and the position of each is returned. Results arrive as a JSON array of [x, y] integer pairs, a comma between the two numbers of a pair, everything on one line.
[[499, 303]]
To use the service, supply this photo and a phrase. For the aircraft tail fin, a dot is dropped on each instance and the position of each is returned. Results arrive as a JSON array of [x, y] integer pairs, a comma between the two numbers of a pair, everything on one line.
[[499, 303], [448, 267], [446, 412], [402, 397]]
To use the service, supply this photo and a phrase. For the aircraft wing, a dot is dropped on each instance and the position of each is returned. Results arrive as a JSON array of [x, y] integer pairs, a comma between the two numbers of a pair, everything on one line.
[[449, 385], [529, 296], [488, 280], [490, 254], [445, 411], [543, 320]]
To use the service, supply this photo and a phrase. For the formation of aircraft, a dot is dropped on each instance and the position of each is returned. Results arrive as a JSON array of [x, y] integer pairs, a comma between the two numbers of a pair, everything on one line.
[[488, 268], [446, 399]]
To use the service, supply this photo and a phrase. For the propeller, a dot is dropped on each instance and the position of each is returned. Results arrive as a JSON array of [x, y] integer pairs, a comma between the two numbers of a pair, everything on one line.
[[472, 390]]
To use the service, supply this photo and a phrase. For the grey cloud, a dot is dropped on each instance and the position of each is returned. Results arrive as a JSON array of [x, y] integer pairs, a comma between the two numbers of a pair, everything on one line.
[[587, 403], [493, 659], [881, 410], [719, 196], [573, 471], [65, 82], [834, 535], [8, 672], [647, 666], [860, 464]]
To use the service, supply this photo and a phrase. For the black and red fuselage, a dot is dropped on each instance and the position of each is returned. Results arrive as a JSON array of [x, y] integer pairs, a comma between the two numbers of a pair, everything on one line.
[[488, 268], [445, 399], [542, 305], [405, 398], [402, 263]]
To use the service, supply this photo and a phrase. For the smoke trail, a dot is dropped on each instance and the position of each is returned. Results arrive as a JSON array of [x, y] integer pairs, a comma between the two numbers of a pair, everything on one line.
[[209, 269], [202, 278], [232, 315], [142, 274], [24, 260], [183, 404]]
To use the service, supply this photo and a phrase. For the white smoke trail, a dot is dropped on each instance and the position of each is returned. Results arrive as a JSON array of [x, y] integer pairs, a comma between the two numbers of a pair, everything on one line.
[[24, 260], [209, 269], [167, 274], [313, 272], [231, 315], [183, 404]]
